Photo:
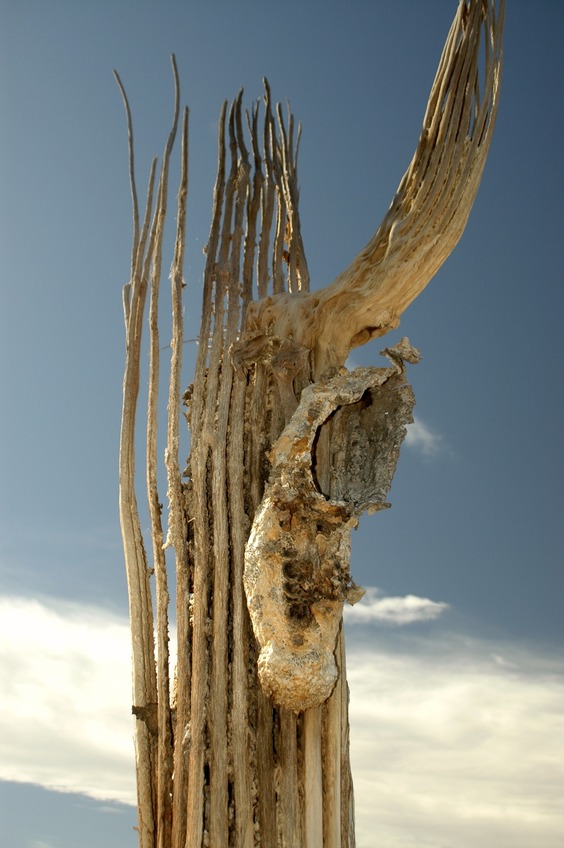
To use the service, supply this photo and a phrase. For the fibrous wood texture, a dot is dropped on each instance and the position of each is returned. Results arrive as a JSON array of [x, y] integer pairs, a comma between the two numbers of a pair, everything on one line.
[[428, 213], [249, 744]]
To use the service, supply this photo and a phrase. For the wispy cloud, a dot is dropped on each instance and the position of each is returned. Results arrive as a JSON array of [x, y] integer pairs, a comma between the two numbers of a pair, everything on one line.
[[66, 720], [451, 748], [419, 435], [422, 438], [374, 607], [456, 741]]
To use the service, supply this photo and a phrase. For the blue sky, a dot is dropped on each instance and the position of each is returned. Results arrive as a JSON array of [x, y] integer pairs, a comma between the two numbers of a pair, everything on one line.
[[456, 675]]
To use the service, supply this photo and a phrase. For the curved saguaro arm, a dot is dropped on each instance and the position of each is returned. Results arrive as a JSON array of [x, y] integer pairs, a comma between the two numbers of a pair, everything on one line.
[[428, 213]]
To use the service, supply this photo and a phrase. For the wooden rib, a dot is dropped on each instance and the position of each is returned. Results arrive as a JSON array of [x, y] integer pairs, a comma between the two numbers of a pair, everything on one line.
[[177, 525], [139, 592], [164, 735], [227, 272], [253, 209], [244, 832], [131, 151], [277, 166], [189, 756], [347, 790], [199, 686], [241, 633], [267, 810], [313, 788], [268, 197], [290, 818], [331, 753], [298, 274]]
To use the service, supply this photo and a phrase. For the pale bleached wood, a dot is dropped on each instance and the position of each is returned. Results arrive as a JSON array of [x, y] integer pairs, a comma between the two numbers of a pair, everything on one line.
[[227, 267], [313, 779], [268, 197], [151, 693], [191, 617], [199, 687], [177, 526], [268, 811], [331, 762], [132, 184], [137, 572], [291, 828], [428, 214], [240, 710], [253, 206], [237, 485], [164, 723], [347, 789], [298, 274], [204, 554], [202, 410]]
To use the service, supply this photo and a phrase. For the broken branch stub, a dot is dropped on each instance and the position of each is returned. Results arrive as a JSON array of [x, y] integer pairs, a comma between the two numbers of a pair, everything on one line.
[[297, 559]]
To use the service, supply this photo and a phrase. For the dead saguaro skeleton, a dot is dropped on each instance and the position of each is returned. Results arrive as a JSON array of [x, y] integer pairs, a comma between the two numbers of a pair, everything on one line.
[[249, 744]]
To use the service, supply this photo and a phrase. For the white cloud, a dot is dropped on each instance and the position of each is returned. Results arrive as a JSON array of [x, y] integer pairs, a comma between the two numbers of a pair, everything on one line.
[[450, 748], [456, 742], [65, 721], [420, 437], [392, 610]]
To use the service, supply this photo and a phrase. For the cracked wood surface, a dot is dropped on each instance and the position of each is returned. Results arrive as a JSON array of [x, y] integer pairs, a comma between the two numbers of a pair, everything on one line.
[[297, 560]]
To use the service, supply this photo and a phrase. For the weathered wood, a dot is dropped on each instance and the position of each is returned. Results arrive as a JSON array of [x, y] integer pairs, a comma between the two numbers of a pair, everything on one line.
[[218, 735], [288, 789], [239, 696], [331, 755], [428, 213], [287, 450], [297, 570], [313, 779], [176, 520], [145, 697]]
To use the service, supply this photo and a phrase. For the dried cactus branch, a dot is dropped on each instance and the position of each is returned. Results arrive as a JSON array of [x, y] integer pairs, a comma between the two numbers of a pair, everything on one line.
[[428, 213], [151, 696], [131, 152]]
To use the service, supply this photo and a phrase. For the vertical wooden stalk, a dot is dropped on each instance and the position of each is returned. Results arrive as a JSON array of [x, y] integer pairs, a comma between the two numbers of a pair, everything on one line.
[[177, 525], [227, 269], [140, 606], [331, 754], [241, 771], [313, 779], [239, 694], [163, 711], [291, 820]]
